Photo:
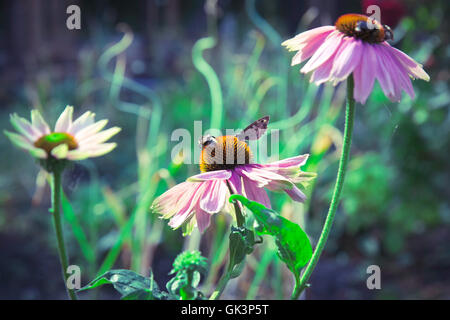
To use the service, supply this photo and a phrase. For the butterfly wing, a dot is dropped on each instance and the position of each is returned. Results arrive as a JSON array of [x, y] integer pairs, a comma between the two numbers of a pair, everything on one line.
[[255, 130]]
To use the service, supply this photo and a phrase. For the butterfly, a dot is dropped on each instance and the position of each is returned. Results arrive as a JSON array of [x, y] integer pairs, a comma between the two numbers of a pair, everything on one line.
[[227, 152]]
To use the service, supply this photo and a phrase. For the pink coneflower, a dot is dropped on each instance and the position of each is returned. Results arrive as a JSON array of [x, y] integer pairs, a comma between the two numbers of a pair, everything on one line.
[[71, 140], [194, 201], [354, 45]]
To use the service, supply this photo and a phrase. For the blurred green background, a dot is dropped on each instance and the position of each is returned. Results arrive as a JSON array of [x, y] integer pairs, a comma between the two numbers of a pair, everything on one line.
[[157, 65]]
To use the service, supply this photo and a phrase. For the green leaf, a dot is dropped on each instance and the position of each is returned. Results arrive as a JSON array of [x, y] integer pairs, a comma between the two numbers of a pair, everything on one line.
[[131, 285], [293, 244], [242, 241]]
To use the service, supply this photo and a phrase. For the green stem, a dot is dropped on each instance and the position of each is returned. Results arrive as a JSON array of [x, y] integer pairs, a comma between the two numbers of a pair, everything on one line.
[[221, 286], [56, 205], [349, 119], [240, 220]]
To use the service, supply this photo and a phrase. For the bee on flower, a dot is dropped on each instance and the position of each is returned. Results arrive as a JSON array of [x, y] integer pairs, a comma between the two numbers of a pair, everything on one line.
[[356, 45], [227, 167]]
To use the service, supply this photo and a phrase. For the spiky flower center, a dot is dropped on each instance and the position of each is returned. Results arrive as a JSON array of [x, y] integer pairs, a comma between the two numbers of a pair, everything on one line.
[[226, 153], [54, 139]]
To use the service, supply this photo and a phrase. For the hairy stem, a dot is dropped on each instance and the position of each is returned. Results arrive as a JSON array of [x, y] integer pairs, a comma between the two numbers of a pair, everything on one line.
[[349, 119]]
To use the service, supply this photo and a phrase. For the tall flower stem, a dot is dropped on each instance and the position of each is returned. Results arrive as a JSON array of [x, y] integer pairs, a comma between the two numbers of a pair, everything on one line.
[[56, 206], [240, 220], [348, 130]]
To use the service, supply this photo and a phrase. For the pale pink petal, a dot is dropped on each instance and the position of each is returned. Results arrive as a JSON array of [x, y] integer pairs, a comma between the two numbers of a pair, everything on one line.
[[65, 120], [211, 175], [347, 58], [323, 73], [414, 69], [203, 219], [396, 74], [325, 51], [254, 193], [185, 213], [400, 70], [384, 76], [307, 48], [297, 161], [296, 194], [296, 42], [265, 178], [213, 198], [364, 74], [174, 199]]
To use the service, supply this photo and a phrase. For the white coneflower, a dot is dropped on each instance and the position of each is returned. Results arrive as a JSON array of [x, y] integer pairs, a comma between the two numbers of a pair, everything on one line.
[[71, 140]]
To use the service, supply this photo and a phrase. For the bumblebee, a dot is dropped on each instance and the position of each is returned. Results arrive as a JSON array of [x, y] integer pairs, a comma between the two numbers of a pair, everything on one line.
[[227, 152], [362, 27]]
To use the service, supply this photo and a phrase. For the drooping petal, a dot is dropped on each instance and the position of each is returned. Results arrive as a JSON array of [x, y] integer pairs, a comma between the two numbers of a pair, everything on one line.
[[255, 193], [402, 72], [384, 77], [182, 215], [325, 51], [213, 199], [323, 73], [65, 120], [364, 74], [203, 219], [265, 178], [171, 201], [296, 194], [347, 58], [235, 182], [398, 73], [415, 69]]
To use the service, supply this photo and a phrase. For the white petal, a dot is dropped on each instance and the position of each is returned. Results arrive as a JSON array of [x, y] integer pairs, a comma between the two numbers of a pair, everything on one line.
[[86, 119], [24, 127], [65, 120], [94, 151], [39, 122], [90, 130], [19, 141], [99, 137]]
